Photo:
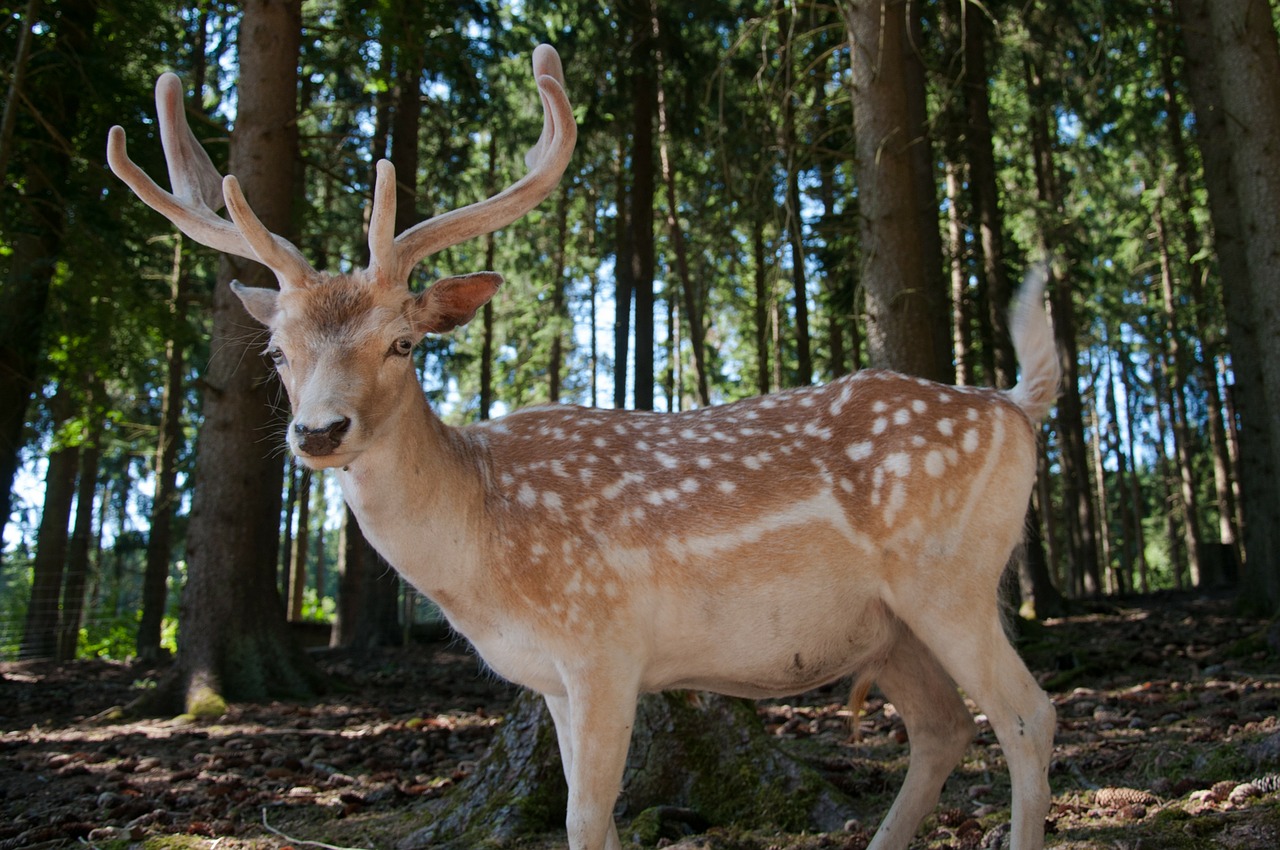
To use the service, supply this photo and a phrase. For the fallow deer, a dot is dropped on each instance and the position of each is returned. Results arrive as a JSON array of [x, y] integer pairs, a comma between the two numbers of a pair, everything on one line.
[[755, 549]]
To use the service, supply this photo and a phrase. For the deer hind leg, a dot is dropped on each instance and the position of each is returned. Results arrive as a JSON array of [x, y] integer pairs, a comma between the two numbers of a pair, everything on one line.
[[939, 727], [593, 728], [971, 644]]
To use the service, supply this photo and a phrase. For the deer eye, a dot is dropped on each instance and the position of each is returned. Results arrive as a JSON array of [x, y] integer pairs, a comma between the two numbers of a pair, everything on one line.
[[277, 356], [402, 347]]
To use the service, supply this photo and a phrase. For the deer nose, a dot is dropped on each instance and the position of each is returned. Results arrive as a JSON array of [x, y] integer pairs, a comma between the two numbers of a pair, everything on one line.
[[323, 440]]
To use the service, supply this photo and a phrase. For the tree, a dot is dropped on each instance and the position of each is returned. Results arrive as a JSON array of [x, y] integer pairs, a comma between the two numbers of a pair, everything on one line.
[[1237, 73], [903, 299], [232, 638], [35, 234]]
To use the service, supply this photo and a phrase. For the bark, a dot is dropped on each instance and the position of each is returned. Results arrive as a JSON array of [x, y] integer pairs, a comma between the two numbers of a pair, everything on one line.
[[984, 190], [78, 553], [486, 315], [902, 311], [17, 82], [40, 633], [640, 218], [35, 234], [159, 556], [1110, 584], [961, 334], [1143, 583], [1178, 402], [300, 553], [368, 614], [233, 642], [624, 280], [559, 315], [1081, 522], [1242, 82], [1205, 328], [760, 277], [839, 288], [691, 292], [794, 222]]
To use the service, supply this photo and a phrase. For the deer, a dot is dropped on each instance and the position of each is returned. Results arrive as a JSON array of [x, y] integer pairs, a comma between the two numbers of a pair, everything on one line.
[[755, 549]]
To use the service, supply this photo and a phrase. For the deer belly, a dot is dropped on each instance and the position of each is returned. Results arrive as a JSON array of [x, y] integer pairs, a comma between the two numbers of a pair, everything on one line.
[[776, 651]]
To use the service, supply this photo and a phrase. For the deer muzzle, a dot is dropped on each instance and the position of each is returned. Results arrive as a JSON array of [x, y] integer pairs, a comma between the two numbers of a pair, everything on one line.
[[321, 440]]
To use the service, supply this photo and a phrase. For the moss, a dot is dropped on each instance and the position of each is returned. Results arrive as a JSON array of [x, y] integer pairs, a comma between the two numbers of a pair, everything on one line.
[[204, 703]]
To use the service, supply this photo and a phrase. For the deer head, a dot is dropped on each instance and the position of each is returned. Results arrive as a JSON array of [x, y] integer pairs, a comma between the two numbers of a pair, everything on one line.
[[341, 342]]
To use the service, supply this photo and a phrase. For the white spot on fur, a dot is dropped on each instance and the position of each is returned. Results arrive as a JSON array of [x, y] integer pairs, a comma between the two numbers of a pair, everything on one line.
[[879, 425], [934, 464], [527, 495], [859, 451], [666, 460], [727, 487], [946, 427], [897, 498], [970, 444], [901, 416], [879, 407], [899, 463], [813, 430]]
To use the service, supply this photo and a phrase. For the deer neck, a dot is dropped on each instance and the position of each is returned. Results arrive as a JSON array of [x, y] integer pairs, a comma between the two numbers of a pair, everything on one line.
[[418, 498]]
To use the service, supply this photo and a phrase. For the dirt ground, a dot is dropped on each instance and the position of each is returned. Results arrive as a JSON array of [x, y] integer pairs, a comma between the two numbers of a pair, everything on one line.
[[1168, 738]]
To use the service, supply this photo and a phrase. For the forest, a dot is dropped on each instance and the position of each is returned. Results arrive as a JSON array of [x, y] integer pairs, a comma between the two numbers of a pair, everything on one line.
[[764, 195]]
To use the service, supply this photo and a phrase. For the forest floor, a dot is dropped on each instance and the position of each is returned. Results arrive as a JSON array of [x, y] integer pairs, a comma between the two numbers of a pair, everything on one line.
[[1168, 737]]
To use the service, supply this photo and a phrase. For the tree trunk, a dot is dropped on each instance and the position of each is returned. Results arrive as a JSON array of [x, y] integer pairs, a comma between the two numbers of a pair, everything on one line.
[[1243, 82], [1205, 329], [159, 556], [1178, 401], [791, 205], [640, 217], [1081, 523], [691, 292], [73, 591], [902, 312], [299, 556], [560, 321], [35, 234], [983, 188], [233, 642], [17, 82], [40, 634], [624, 279], [368, 614], [702, 758], [761, 277], [961, 333]]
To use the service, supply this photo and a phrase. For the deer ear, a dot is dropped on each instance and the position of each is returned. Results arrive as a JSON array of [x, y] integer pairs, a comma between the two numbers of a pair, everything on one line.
[[261, 303], [452, 301]]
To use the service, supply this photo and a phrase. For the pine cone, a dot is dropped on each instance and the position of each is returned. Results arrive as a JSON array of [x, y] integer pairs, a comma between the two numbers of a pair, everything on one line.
[[1115, 798]]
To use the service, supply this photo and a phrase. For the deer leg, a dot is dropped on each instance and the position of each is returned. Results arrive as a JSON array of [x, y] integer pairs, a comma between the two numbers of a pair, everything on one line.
[[983, 663], [939, 727], [559, 709], [593, 724]]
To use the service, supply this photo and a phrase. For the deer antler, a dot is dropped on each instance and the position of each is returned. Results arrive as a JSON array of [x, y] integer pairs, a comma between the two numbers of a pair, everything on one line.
[[546, 161], [199, 190]]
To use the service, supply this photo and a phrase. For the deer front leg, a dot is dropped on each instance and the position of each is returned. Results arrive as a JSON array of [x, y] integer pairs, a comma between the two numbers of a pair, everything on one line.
[[593, 725]]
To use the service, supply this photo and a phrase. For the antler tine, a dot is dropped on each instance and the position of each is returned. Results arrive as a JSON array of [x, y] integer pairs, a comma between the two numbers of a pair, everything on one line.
[[382, 227], [197, 190], [547, 161], [274, 252]]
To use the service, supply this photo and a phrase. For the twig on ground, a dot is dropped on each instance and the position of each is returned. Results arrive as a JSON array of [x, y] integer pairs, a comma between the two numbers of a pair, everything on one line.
[[300, 842]]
